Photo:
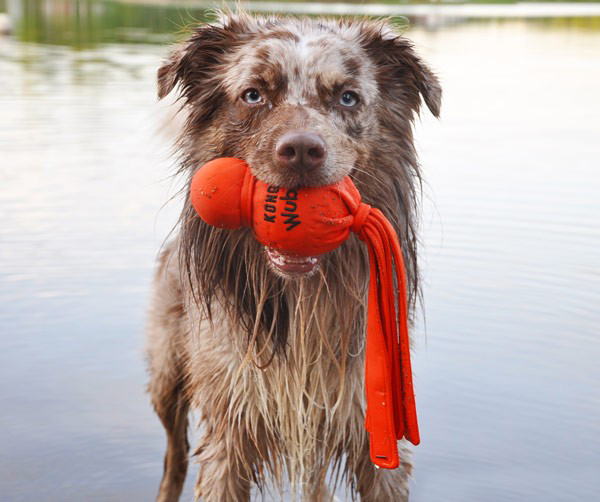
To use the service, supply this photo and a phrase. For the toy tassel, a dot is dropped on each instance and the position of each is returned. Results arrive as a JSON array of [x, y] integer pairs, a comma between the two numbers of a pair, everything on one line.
[[391, 412]]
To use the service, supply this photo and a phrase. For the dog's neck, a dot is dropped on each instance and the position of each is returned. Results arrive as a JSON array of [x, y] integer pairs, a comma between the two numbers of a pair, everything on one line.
[[229, 272]]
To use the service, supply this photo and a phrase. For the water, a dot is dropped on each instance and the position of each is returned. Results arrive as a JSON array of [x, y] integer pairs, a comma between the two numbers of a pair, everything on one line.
[[507, 372]]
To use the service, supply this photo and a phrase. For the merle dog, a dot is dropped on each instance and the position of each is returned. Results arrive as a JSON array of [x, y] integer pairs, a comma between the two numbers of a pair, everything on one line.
[[269, 347]]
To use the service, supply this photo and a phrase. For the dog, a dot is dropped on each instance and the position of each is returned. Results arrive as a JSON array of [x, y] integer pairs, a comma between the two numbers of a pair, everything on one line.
[[269, 348]]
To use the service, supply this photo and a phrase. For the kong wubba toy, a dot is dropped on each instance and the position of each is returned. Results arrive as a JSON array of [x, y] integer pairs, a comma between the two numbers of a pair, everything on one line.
[[313, 221]]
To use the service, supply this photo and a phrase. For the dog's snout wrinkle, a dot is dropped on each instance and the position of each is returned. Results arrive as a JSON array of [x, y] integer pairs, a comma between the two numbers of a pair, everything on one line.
[[301, 151]]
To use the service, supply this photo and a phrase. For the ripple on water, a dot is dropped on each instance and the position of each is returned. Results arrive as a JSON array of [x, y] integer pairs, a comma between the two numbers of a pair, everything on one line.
[[507, 371]]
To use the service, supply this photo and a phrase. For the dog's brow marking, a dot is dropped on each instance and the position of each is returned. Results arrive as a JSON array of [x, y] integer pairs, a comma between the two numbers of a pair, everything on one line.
[[312, 64], [299, 91], [313, 58], [303, 49]]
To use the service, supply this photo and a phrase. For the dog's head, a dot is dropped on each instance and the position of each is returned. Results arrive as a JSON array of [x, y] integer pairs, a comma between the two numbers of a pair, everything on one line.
[[305, 102]]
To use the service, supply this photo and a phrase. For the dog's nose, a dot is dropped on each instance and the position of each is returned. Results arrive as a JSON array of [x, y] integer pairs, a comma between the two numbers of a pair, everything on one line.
[[301, 151]]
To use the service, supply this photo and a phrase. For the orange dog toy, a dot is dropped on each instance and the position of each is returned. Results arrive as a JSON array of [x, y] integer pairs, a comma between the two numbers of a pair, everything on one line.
[[313, 221]]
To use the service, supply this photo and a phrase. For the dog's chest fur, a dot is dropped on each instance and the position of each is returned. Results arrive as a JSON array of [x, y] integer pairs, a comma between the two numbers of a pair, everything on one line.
[[303, 406]]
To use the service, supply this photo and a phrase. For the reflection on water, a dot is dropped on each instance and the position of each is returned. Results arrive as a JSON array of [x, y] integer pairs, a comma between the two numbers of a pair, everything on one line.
[[507, 373], [87, 23]]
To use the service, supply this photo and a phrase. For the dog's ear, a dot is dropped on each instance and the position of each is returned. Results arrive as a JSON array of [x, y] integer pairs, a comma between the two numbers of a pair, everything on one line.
[[425, 80], [402, 71], [198, 60], [168, 74]]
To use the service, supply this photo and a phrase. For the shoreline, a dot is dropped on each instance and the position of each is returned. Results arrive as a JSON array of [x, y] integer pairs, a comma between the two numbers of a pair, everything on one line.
[[519, 10]]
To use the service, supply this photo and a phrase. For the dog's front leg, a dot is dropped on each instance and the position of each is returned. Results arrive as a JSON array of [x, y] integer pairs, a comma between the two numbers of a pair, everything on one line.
[[225, 468], [320, 492], [167, 386], [381, 485], [176, 458]]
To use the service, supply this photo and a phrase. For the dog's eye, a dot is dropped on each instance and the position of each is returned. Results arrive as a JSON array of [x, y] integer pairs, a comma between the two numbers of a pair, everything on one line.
[[349, 99], [252, 97]]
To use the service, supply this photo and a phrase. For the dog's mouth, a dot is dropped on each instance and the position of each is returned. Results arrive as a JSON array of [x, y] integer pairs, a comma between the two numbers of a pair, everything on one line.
[[291, 265]]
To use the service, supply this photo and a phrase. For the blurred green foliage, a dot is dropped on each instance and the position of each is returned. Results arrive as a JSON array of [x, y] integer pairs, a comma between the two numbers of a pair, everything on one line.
[[88, 23]]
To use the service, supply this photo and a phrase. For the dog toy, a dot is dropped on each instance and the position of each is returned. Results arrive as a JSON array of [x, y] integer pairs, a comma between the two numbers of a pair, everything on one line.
[[312, 221]]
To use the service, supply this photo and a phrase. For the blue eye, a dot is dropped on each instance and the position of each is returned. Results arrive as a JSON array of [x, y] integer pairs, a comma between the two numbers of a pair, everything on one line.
[[252, 97], [349, 99]]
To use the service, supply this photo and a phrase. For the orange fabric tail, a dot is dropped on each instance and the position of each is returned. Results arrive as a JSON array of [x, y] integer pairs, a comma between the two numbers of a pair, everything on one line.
[[391, 412]]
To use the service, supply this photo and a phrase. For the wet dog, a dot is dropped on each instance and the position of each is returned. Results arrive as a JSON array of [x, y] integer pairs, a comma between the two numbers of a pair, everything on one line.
[[268, 347]]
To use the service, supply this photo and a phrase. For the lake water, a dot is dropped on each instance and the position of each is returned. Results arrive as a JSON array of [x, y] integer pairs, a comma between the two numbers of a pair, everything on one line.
[[507, 369]]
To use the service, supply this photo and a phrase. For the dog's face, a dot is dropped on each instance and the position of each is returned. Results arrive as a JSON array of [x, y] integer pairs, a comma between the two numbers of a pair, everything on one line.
[[304, 102], [307, 97]]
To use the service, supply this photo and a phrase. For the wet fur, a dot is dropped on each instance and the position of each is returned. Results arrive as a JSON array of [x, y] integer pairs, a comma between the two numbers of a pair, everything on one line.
[[275, 365]]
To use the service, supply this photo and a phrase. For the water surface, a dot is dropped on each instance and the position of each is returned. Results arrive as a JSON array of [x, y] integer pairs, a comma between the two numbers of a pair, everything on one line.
[[506, 371]]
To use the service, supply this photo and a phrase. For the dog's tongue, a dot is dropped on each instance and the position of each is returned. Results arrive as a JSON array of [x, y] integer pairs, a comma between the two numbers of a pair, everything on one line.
[[292, 264]]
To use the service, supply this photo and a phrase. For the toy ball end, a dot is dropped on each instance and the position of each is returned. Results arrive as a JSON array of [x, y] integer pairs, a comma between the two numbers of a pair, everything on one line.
[[216, 192]]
